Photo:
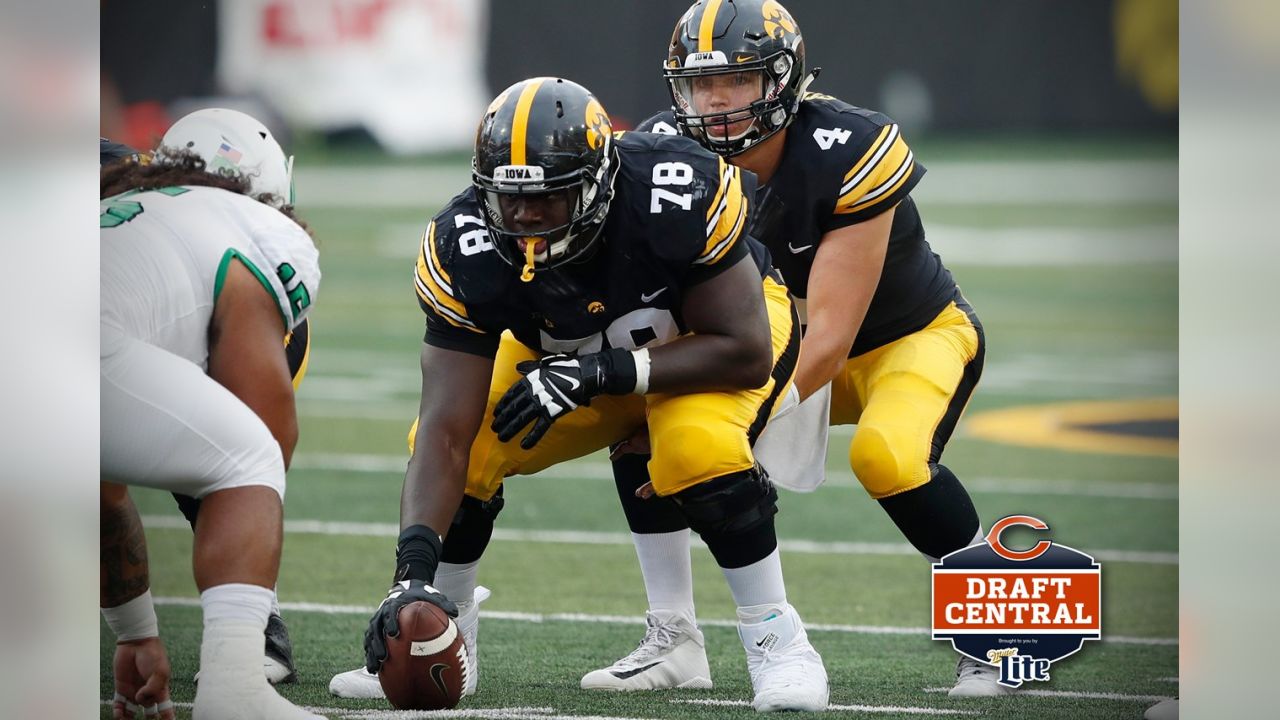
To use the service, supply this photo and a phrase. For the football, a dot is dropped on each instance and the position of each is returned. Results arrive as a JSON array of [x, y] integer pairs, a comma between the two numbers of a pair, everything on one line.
[[425, 667]]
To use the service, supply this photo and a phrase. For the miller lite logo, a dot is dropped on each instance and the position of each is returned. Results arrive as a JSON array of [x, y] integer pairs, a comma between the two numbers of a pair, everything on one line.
[[1020, 610]]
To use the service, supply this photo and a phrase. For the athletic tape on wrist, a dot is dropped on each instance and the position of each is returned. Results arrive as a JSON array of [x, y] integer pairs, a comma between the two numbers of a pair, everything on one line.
[[134, 620], [641, 357]]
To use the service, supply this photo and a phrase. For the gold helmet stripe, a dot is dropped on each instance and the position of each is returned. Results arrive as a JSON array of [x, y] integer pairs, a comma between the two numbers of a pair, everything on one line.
[[520, 123], [707, 26]]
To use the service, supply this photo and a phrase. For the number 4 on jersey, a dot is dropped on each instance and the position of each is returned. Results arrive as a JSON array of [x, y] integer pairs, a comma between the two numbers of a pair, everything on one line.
[[827, 138]]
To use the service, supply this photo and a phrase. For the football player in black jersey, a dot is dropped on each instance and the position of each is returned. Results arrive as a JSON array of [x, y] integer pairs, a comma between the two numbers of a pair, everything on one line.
[[119, 513], [587, 284], [890, 343]]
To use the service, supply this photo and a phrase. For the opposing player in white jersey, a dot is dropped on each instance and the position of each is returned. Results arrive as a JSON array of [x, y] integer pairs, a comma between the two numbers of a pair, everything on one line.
[[204, 272]]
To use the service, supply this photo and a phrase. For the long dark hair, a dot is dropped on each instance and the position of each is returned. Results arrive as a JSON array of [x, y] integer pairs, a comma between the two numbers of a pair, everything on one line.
[[168, 167]]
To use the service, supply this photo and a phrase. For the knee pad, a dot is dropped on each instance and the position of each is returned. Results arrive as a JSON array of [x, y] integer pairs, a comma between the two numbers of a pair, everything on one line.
[[883, 465], [730, 504], [686, 453], [471, 529], [657, 514]]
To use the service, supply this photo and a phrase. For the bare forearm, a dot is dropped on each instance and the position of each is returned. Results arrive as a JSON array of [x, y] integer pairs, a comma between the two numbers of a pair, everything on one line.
[[434, 485], [708, 363], [820, 361], [124, 573]]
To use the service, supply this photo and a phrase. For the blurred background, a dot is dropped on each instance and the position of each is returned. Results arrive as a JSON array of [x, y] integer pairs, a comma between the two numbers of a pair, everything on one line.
[[412, 76]]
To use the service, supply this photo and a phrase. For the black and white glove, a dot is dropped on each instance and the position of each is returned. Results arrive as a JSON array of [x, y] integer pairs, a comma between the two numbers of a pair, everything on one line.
[[556, 385], [386, 619]]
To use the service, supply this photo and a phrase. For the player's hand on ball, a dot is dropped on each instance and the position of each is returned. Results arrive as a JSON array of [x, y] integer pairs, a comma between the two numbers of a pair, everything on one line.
[[141, 669], [385, 620]]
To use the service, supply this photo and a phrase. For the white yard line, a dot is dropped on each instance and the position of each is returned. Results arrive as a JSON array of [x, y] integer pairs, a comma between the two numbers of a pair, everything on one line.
[[508, 713], [1077, 694], [843, 708], [1040, 246], [366, 610], [1094, 182], [592, 470], [582, 537]]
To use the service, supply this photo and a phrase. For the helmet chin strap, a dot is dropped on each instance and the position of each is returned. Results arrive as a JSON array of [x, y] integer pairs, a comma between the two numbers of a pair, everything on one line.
[[804, 86]]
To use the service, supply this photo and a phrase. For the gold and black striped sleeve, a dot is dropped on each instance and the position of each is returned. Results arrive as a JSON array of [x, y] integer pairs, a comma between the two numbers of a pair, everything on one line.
[[435, 288], [726, 217], [880, 177]]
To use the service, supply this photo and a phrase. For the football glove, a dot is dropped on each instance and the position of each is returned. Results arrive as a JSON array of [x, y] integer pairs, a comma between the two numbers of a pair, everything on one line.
[[556, 385], [386, 619]]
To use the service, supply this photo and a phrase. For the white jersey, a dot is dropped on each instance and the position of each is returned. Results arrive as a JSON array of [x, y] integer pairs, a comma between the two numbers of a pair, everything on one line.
[[165, 255]]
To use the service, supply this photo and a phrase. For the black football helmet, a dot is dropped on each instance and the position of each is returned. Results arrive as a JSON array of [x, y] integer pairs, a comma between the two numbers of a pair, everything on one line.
[[542, 136], [755, 37]]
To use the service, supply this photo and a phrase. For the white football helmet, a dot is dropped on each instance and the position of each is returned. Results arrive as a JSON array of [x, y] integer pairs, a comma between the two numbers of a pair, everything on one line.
[[230, 139]]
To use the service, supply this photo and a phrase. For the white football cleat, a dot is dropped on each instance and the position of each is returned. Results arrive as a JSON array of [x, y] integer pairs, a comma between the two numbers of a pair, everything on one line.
[[469, 625], [360, 684], [977, 679], [786, 672], [672, 654]]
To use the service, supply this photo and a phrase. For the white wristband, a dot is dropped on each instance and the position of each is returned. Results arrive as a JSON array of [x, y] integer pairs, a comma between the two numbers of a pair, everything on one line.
[[641, 357], [133, 620]]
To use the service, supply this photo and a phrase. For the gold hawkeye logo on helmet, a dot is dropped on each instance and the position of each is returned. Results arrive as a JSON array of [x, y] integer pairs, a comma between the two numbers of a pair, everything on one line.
[[776, 19], [598, 126]]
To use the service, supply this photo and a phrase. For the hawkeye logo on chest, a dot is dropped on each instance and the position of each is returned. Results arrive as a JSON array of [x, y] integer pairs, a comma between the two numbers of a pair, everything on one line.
[[1020, 610]]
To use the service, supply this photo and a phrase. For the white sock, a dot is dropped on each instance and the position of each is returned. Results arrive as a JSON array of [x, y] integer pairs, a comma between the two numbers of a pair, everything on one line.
[[759, 583], [236, 603], [978, 539], [667, 570], [234, 617], [457, 580]]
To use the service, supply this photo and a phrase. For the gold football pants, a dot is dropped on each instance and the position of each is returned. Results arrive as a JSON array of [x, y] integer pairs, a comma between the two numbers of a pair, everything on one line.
[[905, 397], [694, 437]]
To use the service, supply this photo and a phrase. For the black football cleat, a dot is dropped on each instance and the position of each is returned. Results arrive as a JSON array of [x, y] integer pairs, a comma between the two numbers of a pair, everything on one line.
[[279, 660]]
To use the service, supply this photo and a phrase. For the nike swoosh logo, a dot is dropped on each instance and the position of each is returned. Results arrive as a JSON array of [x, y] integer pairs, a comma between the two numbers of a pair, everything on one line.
[[437, 674], [650, 297], [632, 673], [797, 250]]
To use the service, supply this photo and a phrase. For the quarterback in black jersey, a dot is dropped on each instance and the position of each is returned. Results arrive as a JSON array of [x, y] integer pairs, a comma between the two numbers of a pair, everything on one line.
[[585, 285], [890, 344]]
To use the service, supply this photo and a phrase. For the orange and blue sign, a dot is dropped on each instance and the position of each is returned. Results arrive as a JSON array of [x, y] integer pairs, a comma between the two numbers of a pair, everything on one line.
[[1019, 609]]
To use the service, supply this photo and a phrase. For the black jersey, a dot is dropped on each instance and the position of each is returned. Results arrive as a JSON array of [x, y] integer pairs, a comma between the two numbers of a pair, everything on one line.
[[678, 217], [843, 165]]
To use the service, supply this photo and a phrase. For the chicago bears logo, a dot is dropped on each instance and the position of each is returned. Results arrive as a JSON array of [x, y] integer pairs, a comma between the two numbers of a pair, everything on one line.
[[598, 126], [1018, 610], [777, 20]]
